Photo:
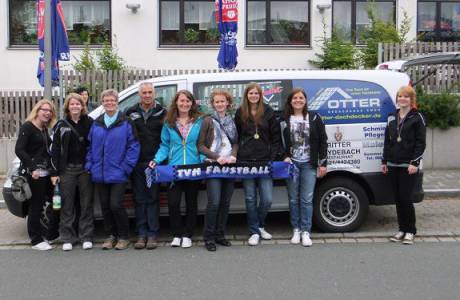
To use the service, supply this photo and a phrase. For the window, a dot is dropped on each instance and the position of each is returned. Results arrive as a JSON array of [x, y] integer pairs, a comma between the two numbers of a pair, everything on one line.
[[86, 21], [350, 17], [275, 91], [438, 21], [163, 95], [188, 22], [278, 22]]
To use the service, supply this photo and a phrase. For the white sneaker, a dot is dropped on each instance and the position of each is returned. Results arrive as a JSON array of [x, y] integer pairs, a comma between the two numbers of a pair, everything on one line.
[[43, 246], [397, 237], [87, 245], [306, 241], [295, 237], [67, 246], [254, 240], [186, 242], [265, 235], [175, 242], [408, 239]]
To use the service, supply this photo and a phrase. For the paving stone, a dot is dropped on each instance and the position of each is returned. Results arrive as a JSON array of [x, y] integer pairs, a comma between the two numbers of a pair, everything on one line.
[[364, 240], [318, 241], [327, 235], [332, 241], [348, 240], [237, 243], [430, 239], [268, 242], [380, 240], [447, 239]]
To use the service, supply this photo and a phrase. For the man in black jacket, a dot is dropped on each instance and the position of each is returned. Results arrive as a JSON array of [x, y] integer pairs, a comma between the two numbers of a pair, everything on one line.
[[147, 116]]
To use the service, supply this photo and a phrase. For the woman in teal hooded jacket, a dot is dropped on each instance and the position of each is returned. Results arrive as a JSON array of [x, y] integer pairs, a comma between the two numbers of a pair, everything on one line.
[[179, 138]]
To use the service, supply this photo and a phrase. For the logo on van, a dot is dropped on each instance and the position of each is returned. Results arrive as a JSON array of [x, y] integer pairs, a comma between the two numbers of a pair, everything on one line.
[[337, 98], [338, 134]]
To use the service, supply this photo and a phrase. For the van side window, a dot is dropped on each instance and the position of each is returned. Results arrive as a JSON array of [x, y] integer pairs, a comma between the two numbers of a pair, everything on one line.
[[275, 93], [163, 95]]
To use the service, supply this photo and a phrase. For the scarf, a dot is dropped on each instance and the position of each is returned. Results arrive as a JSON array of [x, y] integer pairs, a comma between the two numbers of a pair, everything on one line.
[[227, 125]]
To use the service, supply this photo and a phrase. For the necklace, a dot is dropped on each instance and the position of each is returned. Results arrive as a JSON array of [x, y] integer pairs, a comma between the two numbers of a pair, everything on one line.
[[399, 127]]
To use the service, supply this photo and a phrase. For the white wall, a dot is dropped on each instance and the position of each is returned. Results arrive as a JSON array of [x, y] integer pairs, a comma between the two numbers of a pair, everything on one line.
[[136, 36]]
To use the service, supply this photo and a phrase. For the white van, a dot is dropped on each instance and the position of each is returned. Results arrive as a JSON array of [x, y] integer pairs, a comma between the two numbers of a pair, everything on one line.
[[354, 106]]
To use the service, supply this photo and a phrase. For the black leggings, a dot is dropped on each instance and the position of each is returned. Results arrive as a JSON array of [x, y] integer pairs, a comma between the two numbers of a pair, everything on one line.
[[190, 188], [403, 187]]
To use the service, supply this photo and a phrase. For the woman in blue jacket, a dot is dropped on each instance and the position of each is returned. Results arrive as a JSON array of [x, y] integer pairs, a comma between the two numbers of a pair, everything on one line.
[[179, 138], [112, 154]]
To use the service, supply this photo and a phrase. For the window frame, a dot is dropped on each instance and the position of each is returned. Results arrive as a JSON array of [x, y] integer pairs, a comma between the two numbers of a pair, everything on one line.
[[71, 46], [181, 43], [353, 15], [438, 13], [268, 26]]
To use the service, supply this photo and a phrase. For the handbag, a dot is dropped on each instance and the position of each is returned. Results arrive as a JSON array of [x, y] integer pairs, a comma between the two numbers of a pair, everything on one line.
[[20, 188]]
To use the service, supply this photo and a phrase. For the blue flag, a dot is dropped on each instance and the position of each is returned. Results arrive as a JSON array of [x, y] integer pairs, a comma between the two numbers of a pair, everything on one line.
[[227, 21], [59, 42]]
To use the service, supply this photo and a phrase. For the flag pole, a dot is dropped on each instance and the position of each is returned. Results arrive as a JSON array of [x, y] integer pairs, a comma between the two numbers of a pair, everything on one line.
[[47, 91]]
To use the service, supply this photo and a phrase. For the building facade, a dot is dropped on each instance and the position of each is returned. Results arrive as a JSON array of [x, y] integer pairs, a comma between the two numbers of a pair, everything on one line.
[[182, 34]]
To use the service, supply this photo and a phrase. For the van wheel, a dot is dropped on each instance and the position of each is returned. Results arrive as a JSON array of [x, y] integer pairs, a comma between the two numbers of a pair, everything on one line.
[[341, 205]]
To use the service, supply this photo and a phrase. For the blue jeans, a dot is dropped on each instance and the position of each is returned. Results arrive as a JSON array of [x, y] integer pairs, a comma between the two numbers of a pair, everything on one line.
[[256, 213], [220, 193], [300, 194], [147, 204]]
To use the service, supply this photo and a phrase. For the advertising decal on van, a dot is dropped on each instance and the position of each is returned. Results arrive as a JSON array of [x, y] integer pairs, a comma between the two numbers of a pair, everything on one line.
[[347, 101]]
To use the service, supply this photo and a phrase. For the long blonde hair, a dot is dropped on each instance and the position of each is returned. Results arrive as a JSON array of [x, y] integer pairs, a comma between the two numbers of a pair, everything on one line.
[[245, 109], [34, 112]]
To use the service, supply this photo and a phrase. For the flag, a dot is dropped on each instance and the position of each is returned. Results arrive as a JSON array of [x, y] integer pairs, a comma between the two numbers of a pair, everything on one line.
[[59, 42], [227, 22]]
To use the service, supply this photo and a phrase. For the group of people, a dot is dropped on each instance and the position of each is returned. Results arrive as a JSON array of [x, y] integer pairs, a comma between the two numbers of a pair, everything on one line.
[[98, 157]]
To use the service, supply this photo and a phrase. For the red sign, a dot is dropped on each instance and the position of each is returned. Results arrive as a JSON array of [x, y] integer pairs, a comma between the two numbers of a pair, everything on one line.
[[229, 10]]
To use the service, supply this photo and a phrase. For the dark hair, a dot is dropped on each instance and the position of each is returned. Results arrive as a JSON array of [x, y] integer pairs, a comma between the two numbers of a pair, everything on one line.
[[81, 89], [288, 111], [245, 109], [173, 112]]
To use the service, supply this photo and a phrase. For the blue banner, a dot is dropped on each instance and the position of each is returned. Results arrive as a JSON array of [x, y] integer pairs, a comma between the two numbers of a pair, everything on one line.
[[59, 42], [227, 22], [275, 170]]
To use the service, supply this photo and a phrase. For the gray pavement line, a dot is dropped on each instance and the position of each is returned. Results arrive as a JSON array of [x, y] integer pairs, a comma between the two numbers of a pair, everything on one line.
[[442, 192]]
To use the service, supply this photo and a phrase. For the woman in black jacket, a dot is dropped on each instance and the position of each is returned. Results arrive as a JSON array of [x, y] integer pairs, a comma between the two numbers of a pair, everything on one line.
[[259, 140], [68, 151], [305, 143], [403, 149], [32, 148]]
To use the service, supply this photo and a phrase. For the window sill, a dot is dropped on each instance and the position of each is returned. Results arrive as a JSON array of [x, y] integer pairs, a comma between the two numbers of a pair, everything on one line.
[[188, 47], [35, 47], [278, 47]]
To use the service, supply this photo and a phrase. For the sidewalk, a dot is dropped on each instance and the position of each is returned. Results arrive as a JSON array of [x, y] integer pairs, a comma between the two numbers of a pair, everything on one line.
[[438, 218]]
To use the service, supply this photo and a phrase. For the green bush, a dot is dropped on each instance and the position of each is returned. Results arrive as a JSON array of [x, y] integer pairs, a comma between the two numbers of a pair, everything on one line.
[[335, 52], [109, 59], [441, 110]]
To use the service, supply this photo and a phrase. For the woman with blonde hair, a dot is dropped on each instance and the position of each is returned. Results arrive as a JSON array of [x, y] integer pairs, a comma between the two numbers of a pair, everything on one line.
[[404, 144], [219, 142], [32, 148], [68, 154], [179, 138], [259, 141]]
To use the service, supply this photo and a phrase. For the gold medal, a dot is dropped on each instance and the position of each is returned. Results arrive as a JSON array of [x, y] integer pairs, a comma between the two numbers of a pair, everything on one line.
[[399, 139], [256, 136]]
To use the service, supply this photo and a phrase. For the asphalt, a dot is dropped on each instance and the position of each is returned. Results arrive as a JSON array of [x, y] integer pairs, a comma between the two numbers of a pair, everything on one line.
[[326, 271]]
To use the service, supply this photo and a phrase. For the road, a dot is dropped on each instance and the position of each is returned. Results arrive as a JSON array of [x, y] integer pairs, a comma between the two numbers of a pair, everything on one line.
[[325, 271]]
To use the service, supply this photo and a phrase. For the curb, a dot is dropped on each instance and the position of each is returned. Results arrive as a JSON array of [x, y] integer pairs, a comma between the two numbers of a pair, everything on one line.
[[318, 238], [442, 192]]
